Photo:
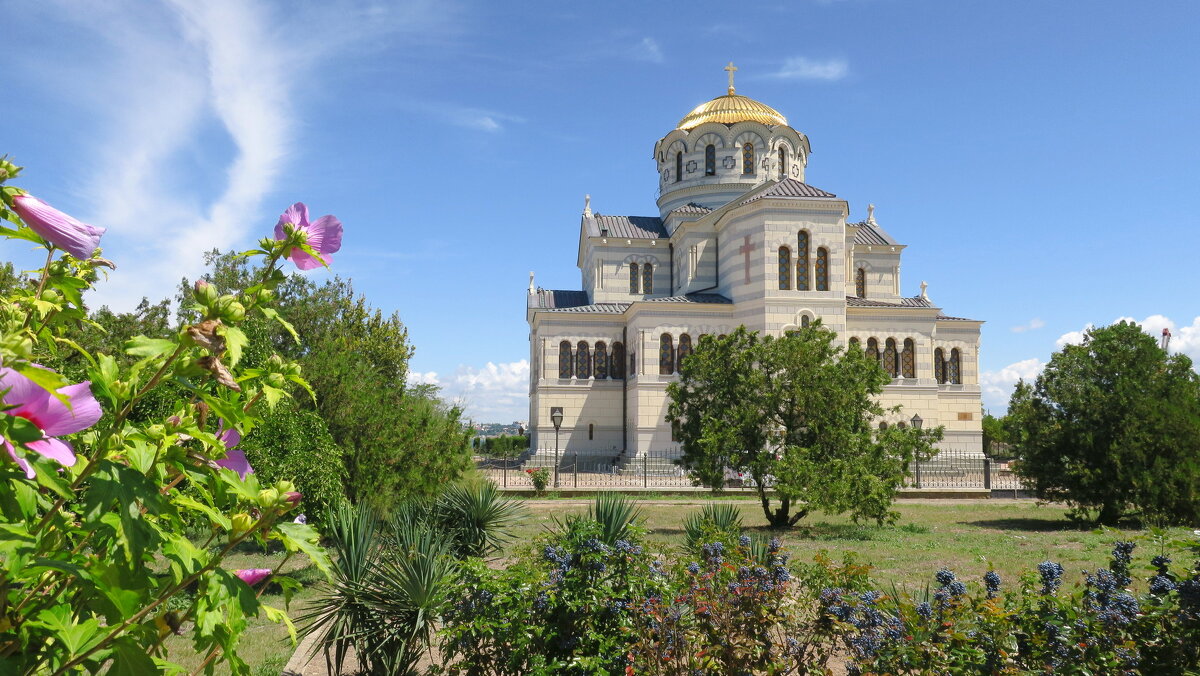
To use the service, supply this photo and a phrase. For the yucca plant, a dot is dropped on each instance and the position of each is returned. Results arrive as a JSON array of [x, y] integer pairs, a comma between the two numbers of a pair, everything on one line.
[[720, 521], [615, 513], [386, 593], [477, 517]]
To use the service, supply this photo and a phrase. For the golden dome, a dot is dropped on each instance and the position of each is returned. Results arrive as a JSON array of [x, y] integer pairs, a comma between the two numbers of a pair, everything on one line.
[[729, 109]]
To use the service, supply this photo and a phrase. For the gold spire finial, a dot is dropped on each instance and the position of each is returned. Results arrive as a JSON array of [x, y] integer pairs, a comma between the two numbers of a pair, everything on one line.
[[731, 69]]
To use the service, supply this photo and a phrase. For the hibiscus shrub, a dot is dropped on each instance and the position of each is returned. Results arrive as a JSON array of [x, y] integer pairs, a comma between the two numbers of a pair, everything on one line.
[[96, 569]]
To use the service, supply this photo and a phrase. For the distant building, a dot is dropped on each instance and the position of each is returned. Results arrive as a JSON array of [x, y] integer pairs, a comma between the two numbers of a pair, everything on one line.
[[739, 238]]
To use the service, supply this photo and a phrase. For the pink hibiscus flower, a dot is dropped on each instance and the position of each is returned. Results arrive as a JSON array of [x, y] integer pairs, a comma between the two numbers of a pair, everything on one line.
[[54, 418], [234, 459], [253, 576], [324, 235], [65, 232]]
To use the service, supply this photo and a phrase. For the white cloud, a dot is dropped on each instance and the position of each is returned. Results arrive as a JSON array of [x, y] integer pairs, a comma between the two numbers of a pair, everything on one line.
[[647, 50], [1184, 339], [1033, 325], [804, 68], [492, 393], [427, 378], [997, 386]]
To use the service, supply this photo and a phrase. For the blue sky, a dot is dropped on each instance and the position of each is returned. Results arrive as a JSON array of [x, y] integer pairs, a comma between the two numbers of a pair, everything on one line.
[[1040, 159]]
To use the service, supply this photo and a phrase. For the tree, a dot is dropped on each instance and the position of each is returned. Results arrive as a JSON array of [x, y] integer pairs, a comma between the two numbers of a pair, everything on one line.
[[1112, 427], [995, 438], [797, 413]]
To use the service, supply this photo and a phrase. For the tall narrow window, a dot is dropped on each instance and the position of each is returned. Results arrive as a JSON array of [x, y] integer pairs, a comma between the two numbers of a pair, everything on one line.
[[634, 280], [939, 365], [583, 360], [890, 358], [822, 269], [591, 431], [748, 158], [860, 283], [618, 361], [955, 369], [909, 359], [647, 278], [600, 361], [566, 365], [804, 321], [685, 350], [873, 349], [785, 268], [710, 160], [854, 344], [782, 164], [666, 355], [802, 261], [678, 167]]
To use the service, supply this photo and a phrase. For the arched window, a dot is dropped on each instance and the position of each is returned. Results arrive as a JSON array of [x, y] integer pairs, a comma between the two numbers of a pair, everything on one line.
[[901, 425], [722, 337], [710, 160], [685, 350], [747, 158], [802, 261], [860, 283], [882, 426], [854, 344], [782, 164], [678, 167], [890, 360], [939, 365], [647, 278], [600, 361], [822, 269], [785, 268], [566, 366], [618, 361], [634, 280], [591, 431], [583, 360], [804, 321], [873, 350], [909, 359], [666, 355], [955, 370]]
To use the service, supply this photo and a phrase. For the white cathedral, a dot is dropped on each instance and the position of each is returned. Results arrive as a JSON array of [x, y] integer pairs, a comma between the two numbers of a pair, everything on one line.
[[740, 239]]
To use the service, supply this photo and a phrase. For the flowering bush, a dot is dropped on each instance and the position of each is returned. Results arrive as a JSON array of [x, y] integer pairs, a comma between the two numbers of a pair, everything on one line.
[[1099, 627], [97, 570], [540, 478]]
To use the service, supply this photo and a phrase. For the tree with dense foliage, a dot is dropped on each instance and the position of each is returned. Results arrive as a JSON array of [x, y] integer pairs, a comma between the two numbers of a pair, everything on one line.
[[1112, 428], [797, 413]]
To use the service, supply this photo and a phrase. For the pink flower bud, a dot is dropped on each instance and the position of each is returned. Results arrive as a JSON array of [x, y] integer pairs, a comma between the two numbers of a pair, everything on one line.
[[65, 232], [293, 497], [253, 576]]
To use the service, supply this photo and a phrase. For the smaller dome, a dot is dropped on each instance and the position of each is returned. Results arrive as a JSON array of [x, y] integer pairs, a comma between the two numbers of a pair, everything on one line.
[[730, 109]]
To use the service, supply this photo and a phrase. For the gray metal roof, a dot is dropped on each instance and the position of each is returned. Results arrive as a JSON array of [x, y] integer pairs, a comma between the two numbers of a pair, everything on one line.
[[956, 319], [871, 233], [626, 227], [693, 298], [790, 188], [602, 308], [691, 208], [557, 298], [916, 301]]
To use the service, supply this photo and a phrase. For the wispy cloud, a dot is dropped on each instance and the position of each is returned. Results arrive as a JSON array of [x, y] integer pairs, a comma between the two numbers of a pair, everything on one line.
[[1033, 325], [647, 50], [1185, 339], [997, 386], [804, 68]]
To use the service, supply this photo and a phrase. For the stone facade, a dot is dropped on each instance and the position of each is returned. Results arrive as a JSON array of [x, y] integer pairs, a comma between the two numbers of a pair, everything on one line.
[[740, 239]]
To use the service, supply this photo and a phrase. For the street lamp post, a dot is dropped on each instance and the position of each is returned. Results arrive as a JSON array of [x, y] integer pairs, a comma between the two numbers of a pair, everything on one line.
[[556, 416], [916, 420], [916, 423]]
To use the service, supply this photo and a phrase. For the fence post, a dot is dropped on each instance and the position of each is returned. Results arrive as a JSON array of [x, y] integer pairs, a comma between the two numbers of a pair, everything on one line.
[[918, 475], [646, 470], [506, 472], [575, 469], [987, 474]]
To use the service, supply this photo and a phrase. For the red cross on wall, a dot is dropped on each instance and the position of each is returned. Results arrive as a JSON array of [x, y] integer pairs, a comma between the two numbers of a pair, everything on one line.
[[746, 249]]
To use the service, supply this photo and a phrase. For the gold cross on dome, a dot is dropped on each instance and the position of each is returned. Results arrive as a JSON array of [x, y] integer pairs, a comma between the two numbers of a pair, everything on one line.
[[731, 69]]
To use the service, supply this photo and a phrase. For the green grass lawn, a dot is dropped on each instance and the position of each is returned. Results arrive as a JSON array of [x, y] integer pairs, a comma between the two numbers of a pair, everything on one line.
[[966, 536]]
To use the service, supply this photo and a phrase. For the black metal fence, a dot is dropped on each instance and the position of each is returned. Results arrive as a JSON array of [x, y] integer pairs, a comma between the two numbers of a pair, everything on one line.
[[659, 469]]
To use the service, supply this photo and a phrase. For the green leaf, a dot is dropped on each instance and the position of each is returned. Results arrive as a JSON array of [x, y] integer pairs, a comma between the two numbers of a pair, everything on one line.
[[23, 431], [271, 313], [305, 539], [104, 375], [141, 346], [130, 659], [304, 383], [212, 514], [22, 232], [15, 540], [235, 342], [272, 395], [76, 638], [280, 617], [46, 379]]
